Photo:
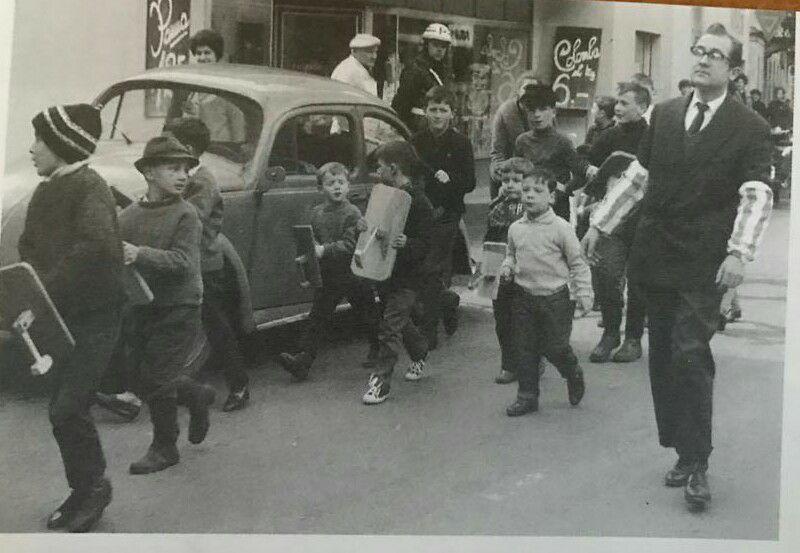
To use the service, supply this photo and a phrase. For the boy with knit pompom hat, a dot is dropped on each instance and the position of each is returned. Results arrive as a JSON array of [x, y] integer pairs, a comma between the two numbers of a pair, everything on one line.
[[71, 238]]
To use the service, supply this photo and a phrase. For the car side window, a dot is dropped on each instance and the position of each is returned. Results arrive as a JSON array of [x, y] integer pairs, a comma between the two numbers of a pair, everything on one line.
[[378, 132], [304, 143]]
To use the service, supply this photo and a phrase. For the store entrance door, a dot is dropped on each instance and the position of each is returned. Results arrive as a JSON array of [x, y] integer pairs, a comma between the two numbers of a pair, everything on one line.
[[314, 40]]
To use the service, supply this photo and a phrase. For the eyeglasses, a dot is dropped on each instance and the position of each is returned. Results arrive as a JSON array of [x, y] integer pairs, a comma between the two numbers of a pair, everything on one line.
[[714, 54]]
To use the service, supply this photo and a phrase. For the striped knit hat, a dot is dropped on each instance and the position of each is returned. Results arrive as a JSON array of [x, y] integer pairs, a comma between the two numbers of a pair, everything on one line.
[[70, 131]]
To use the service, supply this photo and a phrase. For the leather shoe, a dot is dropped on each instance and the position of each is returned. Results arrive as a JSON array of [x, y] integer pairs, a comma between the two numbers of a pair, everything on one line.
[[678, 475], [576, 387], [91, 508], [156, 459], [522, 406], [697, 493], [630, 351], [61, 517], [296, 365], [602, 352], [237, 400], [505, 377], [125, 409]]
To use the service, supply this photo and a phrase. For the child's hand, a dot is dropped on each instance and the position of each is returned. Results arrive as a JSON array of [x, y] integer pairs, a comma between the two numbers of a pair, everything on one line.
[[585, 306], [319, 250], [506, 273], [361, 225], [399, 241], [129, 253], [442, 176], [591, 171]]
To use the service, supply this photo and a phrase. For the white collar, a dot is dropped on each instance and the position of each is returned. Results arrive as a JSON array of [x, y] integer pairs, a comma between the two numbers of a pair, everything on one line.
[[713, 105], [66, 170]]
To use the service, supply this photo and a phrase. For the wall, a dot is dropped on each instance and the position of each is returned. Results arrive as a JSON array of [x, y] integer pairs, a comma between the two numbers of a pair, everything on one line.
[[67, 52]]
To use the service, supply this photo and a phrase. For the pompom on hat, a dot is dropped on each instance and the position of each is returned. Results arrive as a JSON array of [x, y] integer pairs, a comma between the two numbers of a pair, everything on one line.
[[71, 131], [363, 40], [164, 148]]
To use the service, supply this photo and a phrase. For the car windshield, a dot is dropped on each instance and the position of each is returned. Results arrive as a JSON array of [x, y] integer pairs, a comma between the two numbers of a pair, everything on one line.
[[135, 114]]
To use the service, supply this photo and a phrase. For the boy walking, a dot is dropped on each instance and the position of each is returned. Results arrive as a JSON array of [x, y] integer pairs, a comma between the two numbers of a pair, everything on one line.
[[334, 225], [161, 236], [504, 210], [71, 239], [399, 166], [203, 193], [543, 255]]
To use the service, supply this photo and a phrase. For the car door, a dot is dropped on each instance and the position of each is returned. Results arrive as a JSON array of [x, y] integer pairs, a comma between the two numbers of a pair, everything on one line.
[[377, 128], [306, 139]]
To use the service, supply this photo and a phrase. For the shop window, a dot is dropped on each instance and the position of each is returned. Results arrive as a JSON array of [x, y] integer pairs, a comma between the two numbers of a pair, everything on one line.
[[314, 40], [306, 142], [646, 44]]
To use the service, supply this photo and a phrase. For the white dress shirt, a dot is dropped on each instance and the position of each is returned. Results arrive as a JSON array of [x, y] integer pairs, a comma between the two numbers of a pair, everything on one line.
[[691, 113]]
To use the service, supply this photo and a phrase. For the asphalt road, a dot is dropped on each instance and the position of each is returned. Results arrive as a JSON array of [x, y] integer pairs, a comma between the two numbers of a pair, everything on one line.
[[440, 456]]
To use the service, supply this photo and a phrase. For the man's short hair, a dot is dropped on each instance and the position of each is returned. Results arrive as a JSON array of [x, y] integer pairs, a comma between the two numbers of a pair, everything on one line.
[[402, 154], [209, 38], [440, 95], [742, 77], [755, 91], [684, 83], [643, 80], [332, 168], [191, 132], [735, 58], [777, 88], [606, 105], [541, 173], [640, 93], [518, 165]]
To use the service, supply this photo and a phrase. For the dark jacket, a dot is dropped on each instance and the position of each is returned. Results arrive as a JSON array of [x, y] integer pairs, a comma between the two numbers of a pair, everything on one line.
[[780, 114], [452, 153], [334, 228], [415, 81], [688, 211], [203, 193], [409, 265], [72, 240], [509, 122], [760, 108], [624, 137]]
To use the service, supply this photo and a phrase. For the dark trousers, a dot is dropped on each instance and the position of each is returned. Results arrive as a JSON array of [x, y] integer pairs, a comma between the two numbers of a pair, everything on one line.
[[74, 385], [435, 297], [542, 327], [681, 325], [613, 252], [361, 297], [396, 328], [219, 330], [504, 326]]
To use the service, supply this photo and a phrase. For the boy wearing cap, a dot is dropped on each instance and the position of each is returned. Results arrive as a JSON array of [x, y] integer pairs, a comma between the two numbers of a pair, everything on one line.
[[546, 147], [161, 234], [71, 238], [355, 69], [425, 72]]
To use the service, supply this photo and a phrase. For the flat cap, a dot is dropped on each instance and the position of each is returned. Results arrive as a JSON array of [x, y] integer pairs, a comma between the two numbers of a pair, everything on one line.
[[363, 40]]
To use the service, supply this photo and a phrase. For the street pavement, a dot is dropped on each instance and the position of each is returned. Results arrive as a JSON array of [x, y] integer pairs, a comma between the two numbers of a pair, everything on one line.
[[440, 456]]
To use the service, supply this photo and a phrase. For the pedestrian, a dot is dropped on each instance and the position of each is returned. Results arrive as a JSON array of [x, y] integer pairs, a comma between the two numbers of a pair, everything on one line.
[[399, 166], [161, 238], [632, 101], [603, 118], [758, 106], [508, 123], [685, 87], [71, 238], [503, 211], [450, 160], [334, 223], [427, 70], [700, 178], [218, 285], [546, 147], [647, 82], [779, 111], [356, 68], [542, 256], [739, 88]]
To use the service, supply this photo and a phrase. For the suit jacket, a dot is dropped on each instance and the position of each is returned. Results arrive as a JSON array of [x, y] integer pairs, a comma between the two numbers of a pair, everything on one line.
[[689, 208]]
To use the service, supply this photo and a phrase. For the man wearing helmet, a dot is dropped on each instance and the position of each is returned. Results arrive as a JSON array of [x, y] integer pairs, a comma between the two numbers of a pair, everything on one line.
[[425, 72]]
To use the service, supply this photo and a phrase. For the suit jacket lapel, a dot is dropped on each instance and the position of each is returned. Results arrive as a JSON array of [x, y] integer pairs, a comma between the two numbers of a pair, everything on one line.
[[713, 136]]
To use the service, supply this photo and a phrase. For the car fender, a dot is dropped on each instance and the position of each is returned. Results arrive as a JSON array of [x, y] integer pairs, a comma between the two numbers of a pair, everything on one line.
[[245, 306]]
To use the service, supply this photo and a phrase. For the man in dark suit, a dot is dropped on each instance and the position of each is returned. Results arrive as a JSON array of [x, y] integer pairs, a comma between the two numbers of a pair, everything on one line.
[[700, 179]]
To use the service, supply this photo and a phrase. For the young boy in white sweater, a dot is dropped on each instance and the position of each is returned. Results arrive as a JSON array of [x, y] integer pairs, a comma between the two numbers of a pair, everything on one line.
[[543, 255]]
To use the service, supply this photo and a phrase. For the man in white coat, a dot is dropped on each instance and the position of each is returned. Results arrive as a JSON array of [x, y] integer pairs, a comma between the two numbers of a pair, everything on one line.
[[355, 69]]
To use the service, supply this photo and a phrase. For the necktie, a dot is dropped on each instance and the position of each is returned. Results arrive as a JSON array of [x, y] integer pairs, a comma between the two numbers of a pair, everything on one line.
[[697, 124]]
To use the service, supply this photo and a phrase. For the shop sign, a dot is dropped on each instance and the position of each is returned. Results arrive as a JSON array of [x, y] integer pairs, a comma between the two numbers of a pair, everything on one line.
[[463, 35], [576, 59], [167, 44]]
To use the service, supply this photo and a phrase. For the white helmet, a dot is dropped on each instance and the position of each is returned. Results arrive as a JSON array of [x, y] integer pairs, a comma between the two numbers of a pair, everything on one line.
[[437, 31]]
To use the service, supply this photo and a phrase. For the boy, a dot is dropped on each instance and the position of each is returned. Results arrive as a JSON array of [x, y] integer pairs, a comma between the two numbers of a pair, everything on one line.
[[334, 225], [399, 166], [161, 234], [71, 239], [202, 192], [506, 209], [448, 155], [543, 255]]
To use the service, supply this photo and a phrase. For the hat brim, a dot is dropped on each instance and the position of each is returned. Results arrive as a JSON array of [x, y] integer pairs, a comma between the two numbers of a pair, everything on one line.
[[144, 162]]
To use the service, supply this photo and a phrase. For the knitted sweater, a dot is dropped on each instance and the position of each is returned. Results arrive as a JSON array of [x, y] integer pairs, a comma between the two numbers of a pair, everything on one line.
[[168, 235], [545, 255], [72, 240], [334, 227], [203, 193]]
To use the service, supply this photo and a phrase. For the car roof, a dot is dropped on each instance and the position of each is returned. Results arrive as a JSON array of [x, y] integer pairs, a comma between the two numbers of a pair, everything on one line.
[[277, 88]]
